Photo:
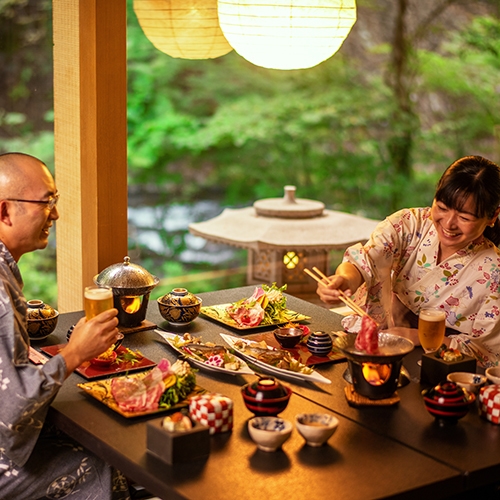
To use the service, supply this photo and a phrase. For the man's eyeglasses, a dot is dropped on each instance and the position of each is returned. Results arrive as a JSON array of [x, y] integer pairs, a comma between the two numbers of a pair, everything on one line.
[[51, 202]]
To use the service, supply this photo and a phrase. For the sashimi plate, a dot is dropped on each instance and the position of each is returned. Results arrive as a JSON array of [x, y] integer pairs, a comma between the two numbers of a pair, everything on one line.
[[200, 363], [314, 376], [101, 390], [219, 313]]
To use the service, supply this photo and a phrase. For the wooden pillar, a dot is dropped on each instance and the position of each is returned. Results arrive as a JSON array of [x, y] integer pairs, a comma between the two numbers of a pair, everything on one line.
[[90, 129]]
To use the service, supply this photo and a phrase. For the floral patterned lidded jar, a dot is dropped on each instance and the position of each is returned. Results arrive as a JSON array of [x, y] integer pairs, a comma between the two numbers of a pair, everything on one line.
[[179, 307], [41, 319]]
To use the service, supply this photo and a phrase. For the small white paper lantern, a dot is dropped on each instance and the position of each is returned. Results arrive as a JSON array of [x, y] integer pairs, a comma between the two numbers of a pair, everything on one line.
[[187, 29], [286, 34]]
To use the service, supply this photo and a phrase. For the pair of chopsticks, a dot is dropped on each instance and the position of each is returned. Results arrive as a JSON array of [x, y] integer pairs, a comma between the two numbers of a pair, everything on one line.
[[321, 278]]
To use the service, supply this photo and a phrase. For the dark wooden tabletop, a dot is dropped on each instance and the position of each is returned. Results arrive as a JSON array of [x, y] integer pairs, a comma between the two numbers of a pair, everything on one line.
[[385, 452]]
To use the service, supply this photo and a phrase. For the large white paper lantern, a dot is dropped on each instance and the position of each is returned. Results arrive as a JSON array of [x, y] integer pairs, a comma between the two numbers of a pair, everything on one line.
[[187, 29], [286, 34]]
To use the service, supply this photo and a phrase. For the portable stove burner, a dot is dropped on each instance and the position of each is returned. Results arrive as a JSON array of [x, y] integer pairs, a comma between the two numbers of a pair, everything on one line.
[[375, 376], [131, 285]]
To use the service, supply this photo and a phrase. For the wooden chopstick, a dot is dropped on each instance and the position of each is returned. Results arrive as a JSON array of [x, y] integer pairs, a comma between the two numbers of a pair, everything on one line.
[[342, 296], [349, 302]]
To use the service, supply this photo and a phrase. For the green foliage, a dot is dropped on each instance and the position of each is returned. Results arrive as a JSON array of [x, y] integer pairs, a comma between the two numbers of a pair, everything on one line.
[[39, 276], [227, 130]]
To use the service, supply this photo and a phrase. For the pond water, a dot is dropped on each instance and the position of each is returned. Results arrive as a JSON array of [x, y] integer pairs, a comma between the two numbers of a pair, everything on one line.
[[156, 227]]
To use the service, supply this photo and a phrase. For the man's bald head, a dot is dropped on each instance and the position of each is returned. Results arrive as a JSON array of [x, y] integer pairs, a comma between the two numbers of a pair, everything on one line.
[[26, 186], [15, 173]]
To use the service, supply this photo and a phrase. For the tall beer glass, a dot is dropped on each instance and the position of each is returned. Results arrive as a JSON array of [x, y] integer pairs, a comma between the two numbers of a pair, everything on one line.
[[97, 299], [431, 328]]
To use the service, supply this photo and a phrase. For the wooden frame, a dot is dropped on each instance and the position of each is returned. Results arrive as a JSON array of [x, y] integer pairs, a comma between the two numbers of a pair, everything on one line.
[[90, 133]]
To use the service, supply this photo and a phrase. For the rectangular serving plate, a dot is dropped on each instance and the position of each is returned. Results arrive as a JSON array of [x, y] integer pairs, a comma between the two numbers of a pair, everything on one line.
[[300, 352], [218, 313], [91, 372], [101, 390]]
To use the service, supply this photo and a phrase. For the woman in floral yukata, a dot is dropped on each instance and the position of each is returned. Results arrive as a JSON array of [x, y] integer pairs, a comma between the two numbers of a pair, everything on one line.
[[444, 256], [37, 462]]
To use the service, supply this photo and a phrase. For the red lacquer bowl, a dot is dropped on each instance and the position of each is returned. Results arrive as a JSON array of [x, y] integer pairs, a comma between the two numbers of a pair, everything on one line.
[[448, 402], [266, 397], [104, 363]]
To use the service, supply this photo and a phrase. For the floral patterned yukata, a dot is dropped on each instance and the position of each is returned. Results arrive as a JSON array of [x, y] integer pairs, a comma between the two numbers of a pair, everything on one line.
[[37, 461], [401, 257]]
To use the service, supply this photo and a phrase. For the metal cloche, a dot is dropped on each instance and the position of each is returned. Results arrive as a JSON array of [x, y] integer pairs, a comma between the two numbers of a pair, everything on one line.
[[127, 278]]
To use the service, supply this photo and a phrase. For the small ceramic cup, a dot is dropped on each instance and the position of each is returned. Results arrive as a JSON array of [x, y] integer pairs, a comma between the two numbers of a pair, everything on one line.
[[316, 428], [269, 433], [470, 381], [493, 374]]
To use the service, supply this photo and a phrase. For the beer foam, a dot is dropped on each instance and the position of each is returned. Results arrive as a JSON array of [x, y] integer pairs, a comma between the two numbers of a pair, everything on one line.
[[432, 315], [98, 293]]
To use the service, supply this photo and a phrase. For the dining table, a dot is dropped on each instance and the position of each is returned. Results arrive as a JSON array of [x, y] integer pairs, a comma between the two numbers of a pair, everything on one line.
[[378, 451]]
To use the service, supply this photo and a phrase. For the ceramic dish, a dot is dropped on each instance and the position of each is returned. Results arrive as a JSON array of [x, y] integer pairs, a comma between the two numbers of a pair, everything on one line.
[[170, 338], [269, 433], [312, 377], [493, 374], [104, 362], [470, 381], [316, 428], [101, 390], [218, 313], [300, 352]]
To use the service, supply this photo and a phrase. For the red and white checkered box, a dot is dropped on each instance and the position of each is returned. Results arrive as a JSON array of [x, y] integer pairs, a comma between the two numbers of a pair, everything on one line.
[[212, 410], [489, 403]]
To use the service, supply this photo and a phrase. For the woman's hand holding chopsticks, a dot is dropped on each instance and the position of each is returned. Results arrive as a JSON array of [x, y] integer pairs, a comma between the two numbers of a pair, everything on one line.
[[338, 287]]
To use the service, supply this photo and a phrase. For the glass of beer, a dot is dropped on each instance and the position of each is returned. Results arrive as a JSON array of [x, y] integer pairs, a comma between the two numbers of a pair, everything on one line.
[[431, 329], [97, 299]]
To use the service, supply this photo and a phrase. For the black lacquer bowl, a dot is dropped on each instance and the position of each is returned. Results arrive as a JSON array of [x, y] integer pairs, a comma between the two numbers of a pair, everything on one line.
[[288, 338], [448, 402]]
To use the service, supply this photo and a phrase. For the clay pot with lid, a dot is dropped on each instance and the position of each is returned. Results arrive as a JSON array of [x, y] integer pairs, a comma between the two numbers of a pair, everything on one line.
[[179, 307], [41, 318], [131, 285]]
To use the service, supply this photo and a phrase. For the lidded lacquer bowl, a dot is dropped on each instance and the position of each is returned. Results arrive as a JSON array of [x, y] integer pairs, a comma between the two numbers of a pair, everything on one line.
[[448, 402], [266, 396]]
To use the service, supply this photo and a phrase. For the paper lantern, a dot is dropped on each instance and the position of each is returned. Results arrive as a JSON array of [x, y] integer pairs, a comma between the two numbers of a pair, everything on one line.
[[286, 34], [188, 29]]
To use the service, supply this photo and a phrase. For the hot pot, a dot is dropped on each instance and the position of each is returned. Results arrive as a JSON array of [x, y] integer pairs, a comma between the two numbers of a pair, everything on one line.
[[131, 285], [375, 376]]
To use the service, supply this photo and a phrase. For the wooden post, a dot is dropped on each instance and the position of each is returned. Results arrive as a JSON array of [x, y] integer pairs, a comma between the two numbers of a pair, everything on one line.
[[90, 130]]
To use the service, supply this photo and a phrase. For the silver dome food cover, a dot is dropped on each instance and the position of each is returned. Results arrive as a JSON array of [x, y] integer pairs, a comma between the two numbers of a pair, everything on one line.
[[131, 285]]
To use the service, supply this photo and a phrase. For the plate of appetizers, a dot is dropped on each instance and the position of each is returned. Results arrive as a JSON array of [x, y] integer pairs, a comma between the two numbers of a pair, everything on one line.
[[219, 313], [126, 360], [275, 361], [206, 356], [164, 388], [265, 307]]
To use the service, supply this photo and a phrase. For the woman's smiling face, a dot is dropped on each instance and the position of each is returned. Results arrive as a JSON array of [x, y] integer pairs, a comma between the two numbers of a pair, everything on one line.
[[457, 228]]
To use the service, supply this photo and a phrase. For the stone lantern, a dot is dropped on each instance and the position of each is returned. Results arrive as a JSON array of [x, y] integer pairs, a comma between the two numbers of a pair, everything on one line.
[[284, 236]]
